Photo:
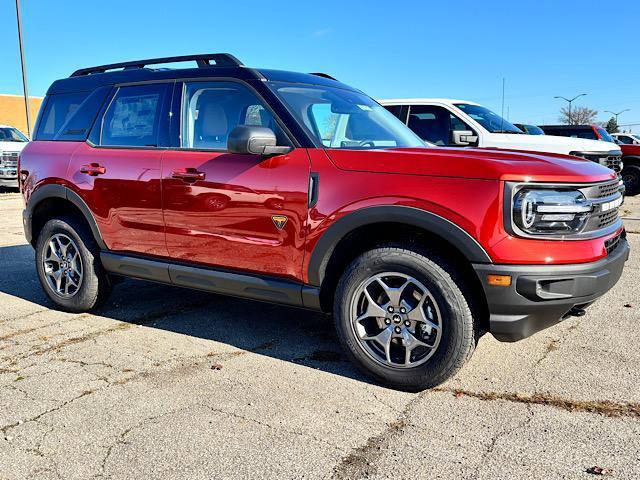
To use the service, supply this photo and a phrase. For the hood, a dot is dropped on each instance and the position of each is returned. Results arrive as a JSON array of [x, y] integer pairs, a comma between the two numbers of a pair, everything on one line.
[[12, 146], [549, 143], [472, 163]]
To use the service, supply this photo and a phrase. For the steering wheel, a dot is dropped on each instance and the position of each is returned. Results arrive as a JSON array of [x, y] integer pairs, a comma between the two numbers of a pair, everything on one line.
[[365, 143]]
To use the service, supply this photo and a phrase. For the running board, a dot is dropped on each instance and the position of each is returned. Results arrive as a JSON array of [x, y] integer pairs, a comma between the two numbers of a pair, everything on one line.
[[255, 287]]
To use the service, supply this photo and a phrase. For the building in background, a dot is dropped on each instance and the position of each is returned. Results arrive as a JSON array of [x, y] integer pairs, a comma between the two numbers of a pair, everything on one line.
[[12, 111]]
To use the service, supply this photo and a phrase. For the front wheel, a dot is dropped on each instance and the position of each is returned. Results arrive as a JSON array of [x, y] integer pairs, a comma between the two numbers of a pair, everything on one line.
[[631, 178], [403, 319], [68, 265]]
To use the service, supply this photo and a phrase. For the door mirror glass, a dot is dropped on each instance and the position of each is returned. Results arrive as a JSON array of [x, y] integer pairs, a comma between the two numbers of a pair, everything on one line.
[[463, 137], [253, 140]]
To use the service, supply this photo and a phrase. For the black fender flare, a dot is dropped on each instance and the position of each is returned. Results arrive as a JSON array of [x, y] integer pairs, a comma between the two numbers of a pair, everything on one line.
[[633, 159], [59, 191], [427, 221]]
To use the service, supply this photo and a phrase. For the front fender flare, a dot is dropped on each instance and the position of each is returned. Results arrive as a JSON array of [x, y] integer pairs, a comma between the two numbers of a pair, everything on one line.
[[427, 221]]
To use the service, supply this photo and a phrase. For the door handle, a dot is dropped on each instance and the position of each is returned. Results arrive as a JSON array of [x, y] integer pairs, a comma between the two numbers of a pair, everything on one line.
[[188, 175], [93, 169]]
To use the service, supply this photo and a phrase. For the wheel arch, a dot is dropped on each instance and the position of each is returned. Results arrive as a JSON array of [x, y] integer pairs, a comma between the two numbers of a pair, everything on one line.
[[53, 198], [632, 159], [413, 217]]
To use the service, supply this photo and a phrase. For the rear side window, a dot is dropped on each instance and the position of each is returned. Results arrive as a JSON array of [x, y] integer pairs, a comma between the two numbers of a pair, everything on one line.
[[58, 110], [133, 118]]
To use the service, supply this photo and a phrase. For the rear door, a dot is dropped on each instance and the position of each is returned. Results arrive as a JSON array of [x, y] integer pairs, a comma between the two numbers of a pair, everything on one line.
[[242, 212], [117, 172]]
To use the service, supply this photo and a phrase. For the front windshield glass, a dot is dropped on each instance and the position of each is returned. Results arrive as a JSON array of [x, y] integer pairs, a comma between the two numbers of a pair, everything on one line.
[[8, 134], [489, 120], [604, 135], [340, 118]]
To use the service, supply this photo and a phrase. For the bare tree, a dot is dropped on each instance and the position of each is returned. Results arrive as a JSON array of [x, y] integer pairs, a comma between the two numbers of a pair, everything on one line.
[[578, 115]]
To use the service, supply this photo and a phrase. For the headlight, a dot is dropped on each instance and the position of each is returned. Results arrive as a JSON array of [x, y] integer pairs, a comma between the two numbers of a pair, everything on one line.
[[550, 211]]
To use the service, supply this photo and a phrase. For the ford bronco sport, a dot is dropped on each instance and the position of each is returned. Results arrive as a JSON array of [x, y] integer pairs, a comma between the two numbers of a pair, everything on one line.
[[297, 189]]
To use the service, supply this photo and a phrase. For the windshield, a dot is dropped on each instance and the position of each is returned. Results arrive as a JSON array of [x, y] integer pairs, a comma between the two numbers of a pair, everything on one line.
[[340, 118], [604, 135], [489, 120], [9, 134], [533, 130]]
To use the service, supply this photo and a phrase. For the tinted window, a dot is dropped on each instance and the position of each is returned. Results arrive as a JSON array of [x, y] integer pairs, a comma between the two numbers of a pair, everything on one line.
[[58, 109], [133, 118], [8, 134], [210, 110], [624, 139], [488, 119], [435, 124]]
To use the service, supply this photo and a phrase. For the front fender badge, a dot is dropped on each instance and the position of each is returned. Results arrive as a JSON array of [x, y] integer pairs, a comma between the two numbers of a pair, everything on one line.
[[279, 221]]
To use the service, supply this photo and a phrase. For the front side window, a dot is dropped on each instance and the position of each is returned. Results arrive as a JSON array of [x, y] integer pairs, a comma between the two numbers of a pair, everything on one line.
[[493, 122], [8, 134], [211, 110], [133, 118], [339, 118], [435, 124]]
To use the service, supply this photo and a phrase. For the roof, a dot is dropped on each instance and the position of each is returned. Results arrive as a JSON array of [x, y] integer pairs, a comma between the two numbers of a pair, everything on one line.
[[88, 79], [420, 101]]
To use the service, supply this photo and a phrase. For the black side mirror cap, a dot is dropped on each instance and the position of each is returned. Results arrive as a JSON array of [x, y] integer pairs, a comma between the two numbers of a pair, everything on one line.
[[254, 140]]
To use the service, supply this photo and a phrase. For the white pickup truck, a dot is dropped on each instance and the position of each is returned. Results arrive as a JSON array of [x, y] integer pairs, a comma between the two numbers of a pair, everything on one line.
[[457, 123], [12, 141]]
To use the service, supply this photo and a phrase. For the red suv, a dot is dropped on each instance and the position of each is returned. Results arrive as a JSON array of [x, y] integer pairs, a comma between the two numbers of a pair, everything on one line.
[[297, 189]]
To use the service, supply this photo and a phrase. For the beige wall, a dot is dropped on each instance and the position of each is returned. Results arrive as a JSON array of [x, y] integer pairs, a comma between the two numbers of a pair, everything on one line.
[[12, 111]]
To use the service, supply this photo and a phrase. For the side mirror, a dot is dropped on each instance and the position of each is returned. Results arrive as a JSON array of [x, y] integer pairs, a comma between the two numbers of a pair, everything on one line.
[[464, 137], [250, 139]]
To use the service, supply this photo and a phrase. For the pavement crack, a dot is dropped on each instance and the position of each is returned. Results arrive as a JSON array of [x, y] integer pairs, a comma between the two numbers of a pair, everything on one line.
[[360, 462], [605, 408], [6, 428]]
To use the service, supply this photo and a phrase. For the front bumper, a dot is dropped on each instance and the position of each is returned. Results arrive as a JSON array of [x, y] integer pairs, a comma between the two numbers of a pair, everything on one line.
[[9, 182], [542, 295]]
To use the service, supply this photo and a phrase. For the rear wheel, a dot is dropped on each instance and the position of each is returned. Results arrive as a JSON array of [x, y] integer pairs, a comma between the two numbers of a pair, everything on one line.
[[403, 319], [68, 265], [631, 178]]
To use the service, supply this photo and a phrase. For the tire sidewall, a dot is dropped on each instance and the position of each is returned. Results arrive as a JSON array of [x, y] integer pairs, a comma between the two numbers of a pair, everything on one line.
[[456, 321], [86, 296]]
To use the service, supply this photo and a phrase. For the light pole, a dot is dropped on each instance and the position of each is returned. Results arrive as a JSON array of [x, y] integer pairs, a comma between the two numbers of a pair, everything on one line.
[[570, 101], [616, 114], [24, 70]]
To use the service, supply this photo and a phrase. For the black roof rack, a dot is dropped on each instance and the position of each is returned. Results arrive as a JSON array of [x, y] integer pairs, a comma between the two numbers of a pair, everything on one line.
[[323, 75], [203, 61]]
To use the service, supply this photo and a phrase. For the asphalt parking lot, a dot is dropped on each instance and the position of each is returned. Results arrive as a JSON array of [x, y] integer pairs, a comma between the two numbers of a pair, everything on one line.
[[170, 383]]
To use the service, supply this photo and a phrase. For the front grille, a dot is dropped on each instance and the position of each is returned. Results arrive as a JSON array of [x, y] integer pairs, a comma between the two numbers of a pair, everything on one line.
[[614, 162], [611, 244], [9, 159], [606, 189], [607, 218]]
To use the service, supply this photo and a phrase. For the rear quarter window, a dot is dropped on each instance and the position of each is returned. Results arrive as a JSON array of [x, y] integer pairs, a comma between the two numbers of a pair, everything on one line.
[[69, 116]]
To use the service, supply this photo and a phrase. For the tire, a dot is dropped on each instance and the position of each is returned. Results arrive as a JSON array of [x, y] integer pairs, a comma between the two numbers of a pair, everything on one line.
[[458, 331], [93, 283], [631, 177]]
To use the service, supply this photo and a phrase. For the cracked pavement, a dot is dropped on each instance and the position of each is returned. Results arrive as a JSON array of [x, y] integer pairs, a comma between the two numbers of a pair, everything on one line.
[[170, 383]]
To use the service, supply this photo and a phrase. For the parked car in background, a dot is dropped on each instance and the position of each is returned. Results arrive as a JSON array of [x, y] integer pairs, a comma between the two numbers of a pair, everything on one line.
[[592, 132], [12, 141], [630, 171], [330, 203], [456, 123], [626, 138], [529, 129]]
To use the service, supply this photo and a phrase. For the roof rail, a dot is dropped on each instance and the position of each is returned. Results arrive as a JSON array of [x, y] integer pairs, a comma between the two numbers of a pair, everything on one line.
[[203, 61], [324, 75]]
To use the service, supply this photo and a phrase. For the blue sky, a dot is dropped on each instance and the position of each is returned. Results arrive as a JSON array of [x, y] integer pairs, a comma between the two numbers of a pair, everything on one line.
[[459, 49]]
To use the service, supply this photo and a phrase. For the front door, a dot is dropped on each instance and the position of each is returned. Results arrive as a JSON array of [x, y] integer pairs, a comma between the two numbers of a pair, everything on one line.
[[241, 212]]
